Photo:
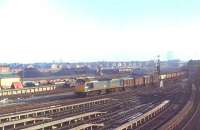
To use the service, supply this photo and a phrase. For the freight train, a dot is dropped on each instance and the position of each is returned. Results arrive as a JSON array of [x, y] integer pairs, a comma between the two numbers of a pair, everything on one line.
[[85, 87]]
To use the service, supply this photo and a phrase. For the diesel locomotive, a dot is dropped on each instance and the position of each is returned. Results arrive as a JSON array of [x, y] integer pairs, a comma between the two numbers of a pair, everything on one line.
[[86, 87]]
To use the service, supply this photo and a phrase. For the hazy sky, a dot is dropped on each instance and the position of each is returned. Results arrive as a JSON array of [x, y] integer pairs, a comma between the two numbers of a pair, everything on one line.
[[97, 30]]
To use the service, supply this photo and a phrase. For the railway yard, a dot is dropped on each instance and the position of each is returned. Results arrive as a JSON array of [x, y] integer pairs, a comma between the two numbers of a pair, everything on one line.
[[99, 65], [144, 108]]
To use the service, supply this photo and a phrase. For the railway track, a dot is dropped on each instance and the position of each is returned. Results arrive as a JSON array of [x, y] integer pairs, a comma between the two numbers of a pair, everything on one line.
[[59, 99], [28, 95], [114, 112], [193, 118], [178, 100], [56, 100], [119, 102], [123, 106]]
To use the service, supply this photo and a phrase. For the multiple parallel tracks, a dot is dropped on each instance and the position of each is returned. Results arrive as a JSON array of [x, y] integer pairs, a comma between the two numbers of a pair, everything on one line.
[[119, 109]]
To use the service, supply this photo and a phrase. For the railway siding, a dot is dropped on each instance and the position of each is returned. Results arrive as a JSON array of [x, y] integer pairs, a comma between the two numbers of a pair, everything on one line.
[[194, 119], [66, 121], [46, 111], [112, 107], [9, 92], [143, 118], [14, 124], [176, 120]]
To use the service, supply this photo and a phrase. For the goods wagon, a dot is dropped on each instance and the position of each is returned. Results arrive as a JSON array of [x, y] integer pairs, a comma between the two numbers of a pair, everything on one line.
[[168, 75], [86, 87], [148, 79], [128, 82], [139, 81], [163, 76], [173, 75], [178, 74], [183, 74]]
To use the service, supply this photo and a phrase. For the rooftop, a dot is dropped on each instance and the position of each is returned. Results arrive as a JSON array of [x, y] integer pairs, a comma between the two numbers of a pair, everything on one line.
[[8, 75]]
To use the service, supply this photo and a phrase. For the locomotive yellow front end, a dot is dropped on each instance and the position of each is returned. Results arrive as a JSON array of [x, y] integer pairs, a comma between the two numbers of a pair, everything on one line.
[[80, 87]]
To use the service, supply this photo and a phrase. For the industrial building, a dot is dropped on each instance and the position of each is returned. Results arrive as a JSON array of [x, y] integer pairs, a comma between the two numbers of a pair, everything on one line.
[[7, 80], [4, 69]]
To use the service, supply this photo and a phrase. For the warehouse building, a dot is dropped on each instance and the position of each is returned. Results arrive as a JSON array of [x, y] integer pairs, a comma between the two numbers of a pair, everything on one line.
[[7, 80]]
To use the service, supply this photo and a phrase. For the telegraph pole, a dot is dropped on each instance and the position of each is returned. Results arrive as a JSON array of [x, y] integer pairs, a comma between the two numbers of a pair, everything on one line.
[[158, 65], [161, 84]]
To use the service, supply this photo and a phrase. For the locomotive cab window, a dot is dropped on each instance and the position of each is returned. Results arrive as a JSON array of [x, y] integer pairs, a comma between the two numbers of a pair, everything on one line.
[[90, 85]]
